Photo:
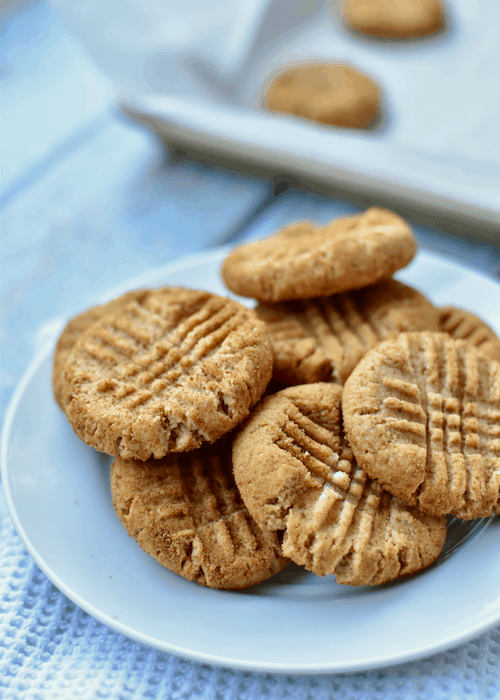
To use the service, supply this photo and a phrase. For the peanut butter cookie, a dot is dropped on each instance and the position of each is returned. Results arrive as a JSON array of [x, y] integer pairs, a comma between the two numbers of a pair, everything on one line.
[[394, 19], [296, 473], [185, 511], [422, 415], [323, 339], [303, 261], [73, 330], [334, 94], [165, 373], [463, 325]]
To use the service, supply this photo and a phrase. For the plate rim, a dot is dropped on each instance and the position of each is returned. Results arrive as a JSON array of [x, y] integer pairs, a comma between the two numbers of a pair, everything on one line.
[[380, 661]]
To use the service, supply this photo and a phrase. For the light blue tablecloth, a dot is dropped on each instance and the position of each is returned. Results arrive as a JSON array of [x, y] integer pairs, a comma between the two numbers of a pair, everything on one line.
[[89, 201]]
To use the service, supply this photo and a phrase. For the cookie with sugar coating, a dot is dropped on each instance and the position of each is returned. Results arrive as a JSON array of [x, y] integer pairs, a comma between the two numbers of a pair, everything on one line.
[[303, 260], [394, 19], [297, 475], [323, 339], [185, 511], [422, 415], [334, 94], [166, 373]]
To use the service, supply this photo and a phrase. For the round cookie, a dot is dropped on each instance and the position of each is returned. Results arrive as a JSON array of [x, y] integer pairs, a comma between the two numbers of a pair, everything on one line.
[[296, 474], [303, 261], [165, 373], [422, 415], [333, 94], [323, 339], [463, 325], [394, 19], [73, 330], [185, 511]]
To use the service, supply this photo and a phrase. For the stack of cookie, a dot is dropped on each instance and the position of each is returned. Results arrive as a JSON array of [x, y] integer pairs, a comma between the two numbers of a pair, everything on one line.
[[153, 378], [350, 480]]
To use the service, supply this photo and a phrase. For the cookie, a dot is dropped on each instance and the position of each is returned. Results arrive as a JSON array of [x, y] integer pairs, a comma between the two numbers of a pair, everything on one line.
[[463, 325], [394, 19], [422, 414], [185, 511], [165, 373], [297, 475], [73, 330], [303, 261], [323, 339], [334, 94]]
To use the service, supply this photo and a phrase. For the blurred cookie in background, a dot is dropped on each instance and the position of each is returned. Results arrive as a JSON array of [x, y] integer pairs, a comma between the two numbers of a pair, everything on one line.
[[393, 19], [334, 94]]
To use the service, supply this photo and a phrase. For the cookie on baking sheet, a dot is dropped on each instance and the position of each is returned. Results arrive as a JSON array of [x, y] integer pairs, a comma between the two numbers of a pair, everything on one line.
[[422, 414], [333, 94], [73, 330], [323, 339], [393, 19], [303, 260], [466, 326], [185, 511], [296, 474], [165, 373]]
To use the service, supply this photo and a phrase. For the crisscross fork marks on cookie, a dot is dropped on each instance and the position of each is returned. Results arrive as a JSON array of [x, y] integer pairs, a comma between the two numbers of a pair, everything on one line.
[[343, 329], [349, 321], [367, 534], [115, 342], [187, 513], [331, 523], [201, 334], [174, 356], [465, 445], [222, 523], [323, 339], [440, 395], [206, 362], [125, 335], [403, 407], [216, 507], [313, 446]]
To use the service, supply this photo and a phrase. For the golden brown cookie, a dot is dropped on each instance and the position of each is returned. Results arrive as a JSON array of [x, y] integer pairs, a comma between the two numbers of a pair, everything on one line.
[[303, 260], [327, 93], [165, 373], [422, 414], [394, 19], [296, 473], [323, 339], [463, 325], [73, 330], [185, 511]]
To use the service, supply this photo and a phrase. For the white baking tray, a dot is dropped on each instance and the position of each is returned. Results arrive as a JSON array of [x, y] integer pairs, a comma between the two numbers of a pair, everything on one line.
[[436, 146]]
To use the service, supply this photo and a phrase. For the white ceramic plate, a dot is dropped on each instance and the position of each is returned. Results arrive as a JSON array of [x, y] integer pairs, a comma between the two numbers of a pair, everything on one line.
[[57, 490]]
